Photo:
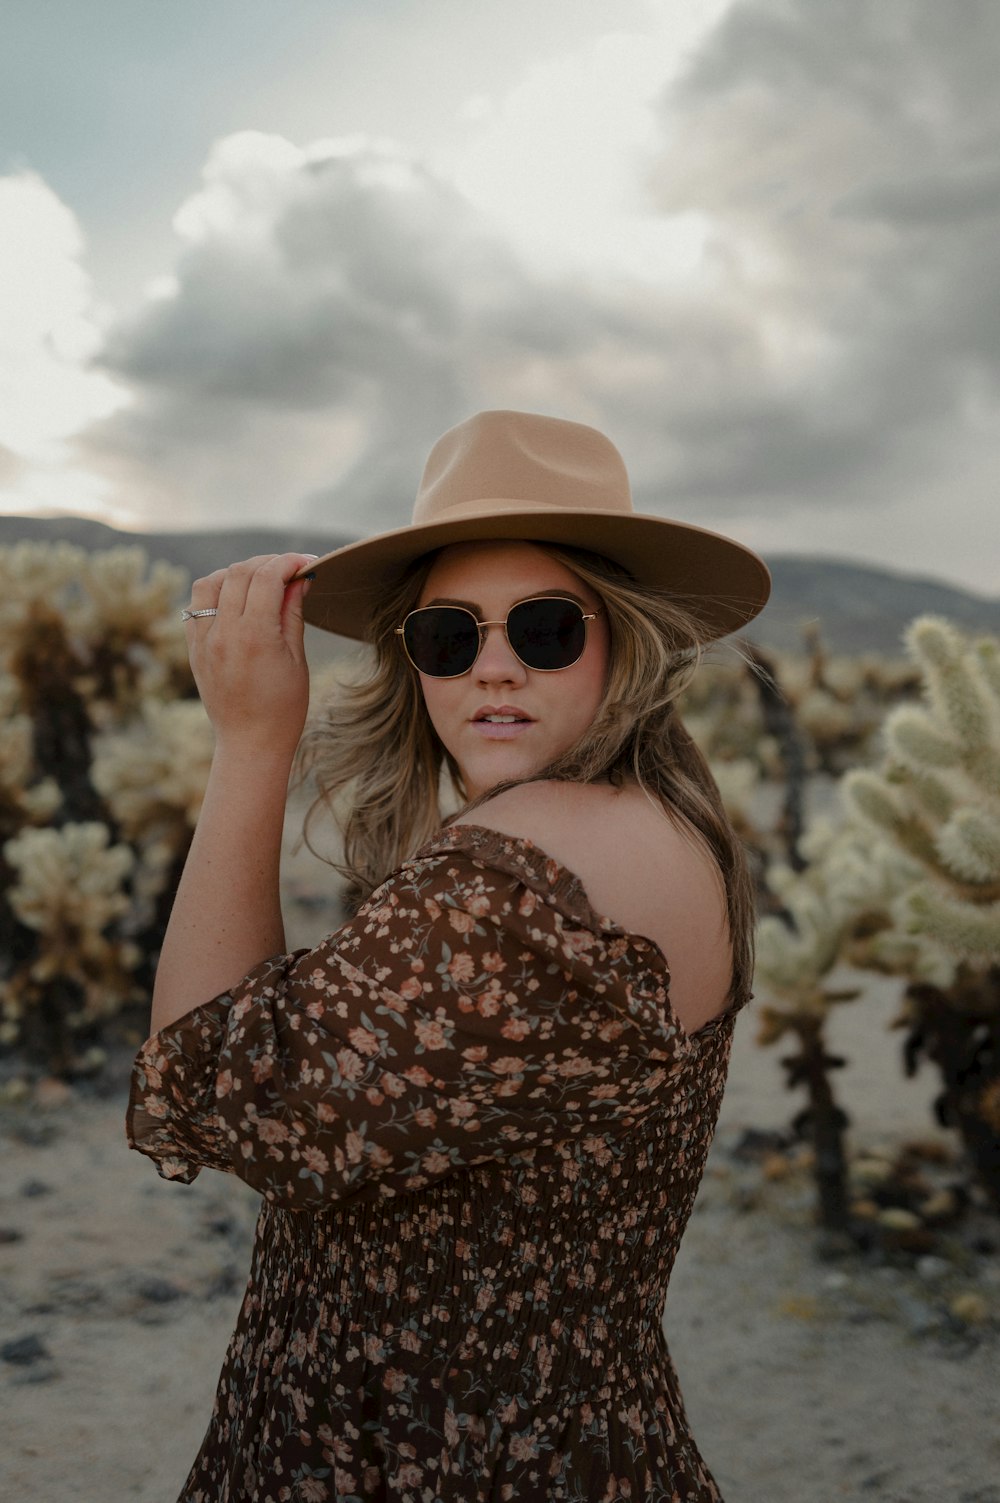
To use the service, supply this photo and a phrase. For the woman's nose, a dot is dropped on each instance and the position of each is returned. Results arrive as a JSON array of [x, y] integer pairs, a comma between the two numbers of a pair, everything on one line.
[[497, 662]]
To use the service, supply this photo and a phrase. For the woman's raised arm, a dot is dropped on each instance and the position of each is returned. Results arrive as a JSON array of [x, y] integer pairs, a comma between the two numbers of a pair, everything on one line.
[[249, 664]]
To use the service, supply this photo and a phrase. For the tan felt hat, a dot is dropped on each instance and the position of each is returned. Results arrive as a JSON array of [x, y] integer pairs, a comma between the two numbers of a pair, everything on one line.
[[530, 478]]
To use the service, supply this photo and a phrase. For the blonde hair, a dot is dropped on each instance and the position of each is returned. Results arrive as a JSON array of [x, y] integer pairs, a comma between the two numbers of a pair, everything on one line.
[[374, 742]]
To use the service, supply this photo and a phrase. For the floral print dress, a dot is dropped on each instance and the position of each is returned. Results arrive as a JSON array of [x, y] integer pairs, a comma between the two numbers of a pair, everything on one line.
[[478, 1129]]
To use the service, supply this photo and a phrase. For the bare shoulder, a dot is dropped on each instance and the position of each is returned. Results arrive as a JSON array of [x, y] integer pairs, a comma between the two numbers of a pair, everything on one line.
[[640, 868]]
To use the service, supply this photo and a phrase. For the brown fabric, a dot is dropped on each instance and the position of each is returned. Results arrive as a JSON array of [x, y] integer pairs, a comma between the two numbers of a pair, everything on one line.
[[478, 1129]]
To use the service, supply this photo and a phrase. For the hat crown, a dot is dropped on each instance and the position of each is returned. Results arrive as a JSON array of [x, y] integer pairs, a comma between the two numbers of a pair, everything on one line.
[[521, 457]]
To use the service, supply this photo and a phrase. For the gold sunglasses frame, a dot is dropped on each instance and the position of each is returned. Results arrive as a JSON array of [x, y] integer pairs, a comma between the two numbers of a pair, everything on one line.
[[484, 625]]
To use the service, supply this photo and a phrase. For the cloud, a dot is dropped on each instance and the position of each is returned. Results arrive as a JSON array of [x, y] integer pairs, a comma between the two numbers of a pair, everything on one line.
[[49, 332], [816, 358], [48, 324], [332, 310], [846, 160]]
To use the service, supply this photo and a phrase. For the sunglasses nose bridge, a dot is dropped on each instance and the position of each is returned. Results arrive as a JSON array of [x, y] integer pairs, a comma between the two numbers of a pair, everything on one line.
[[484, 633]]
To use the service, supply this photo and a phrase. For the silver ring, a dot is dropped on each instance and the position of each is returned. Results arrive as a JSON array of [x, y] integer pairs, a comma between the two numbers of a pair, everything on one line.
[[212, 610]]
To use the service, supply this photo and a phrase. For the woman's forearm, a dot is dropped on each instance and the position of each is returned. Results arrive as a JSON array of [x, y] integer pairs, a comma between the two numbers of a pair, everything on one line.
[[226, 916]]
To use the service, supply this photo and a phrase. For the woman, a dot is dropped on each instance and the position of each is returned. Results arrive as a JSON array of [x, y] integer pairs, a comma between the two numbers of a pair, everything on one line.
[[479, 1111]]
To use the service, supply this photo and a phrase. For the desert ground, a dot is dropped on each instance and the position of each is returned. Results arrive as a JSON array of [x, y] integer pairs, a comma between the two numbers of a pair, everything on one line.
[[807, 1379]]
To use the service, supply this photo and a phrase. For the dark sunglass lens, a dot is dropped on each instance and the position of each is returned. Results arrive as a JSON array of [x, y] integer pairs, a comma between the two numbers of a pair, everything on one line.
[[442, 641], [547, 633]]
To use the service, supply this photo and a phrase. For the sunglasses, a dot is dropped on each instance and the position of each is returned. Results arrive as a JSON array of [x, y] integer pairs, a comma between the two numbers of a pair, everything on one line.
[[546, 634]]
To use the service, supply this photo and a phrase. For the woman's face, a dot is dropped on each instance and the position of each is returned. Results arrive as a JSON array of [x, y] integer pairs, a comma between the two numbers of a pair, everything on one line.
[[552, 709]]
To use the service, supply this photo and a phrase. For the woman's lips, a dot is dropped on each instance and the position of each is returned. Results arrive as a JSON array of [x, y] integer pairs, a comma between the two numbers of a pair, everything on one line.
[[501, 722], [492, 730]]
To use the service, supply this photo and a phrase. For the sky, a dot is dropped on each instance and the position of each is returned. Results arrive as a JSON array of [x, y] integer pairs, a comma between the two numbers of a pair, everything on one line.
[[257, 255]]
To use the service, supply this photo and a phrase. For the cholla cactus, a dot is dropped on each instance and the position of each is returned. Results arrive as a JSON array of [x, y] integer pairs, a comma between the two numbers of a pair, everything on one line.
[[839, 702], [153, 779], [92, 655], [847, 889], [937, 794], [936, 798], [69, 889]]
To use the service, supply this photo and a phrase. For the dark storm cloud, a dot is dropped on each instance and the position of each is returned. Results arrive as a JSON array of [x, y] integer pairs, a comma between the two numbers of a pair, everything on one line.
[[847, 158], [349, 285], [337, 308]]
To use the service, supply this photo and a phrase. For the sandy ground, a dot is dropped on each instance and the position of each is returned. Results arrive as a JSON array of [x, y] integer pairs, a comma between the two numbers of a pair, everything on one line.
[[806, 1381]]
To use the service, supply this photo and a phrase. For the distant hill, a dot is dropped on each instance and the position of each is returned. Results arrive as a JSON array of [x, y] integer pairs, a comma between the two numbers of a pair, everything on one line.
[[858, 609]]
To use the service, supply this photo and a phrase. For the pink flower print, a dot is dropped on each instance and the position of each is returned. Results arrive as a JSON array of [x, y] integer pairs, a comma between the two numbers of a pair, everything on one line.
[[488, 1005], [315, 1160], [372, 1478], [417, 1075], [460, 921], [523, 1447], [408, 1475], [354, 1147], [350, 1065], [436, 1163], [374, 1096], [379, 1156], [325, 1112], [528, 903], [493, 963], [374, 1349], [451, 1430], [271, 1131], [426, 1116], [475, 1053], [409, 1340], [508, 1087], [314, 1489], [461, 967], [394, 1379], [508, 1414], [516, 1029], [610, 1030], [508, 1064], [364, 1041], [153, 1076], [432, 909], [633, 1417], [430, 1033], [598, 1150], [573, 1065], [410, 989], [392, 1085], [262, 1068]]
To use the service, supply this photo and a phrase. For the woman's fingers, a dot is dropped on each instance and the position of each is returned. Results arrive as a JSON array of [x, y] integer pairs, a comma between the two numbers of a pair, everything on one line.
[[248, 661], [229, 590], [268, 596], [239, 577], [205, 592]]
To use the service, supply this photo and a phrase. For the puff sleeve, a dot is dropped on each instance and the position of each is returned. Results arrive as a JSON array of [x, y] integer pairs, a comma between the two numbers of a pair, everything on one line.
[[472, 1010]]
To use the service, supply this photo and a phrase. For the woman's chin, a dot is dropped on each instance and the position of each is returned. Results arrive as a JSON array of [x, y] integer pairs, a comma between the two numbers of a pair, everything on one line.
[[488, 772]]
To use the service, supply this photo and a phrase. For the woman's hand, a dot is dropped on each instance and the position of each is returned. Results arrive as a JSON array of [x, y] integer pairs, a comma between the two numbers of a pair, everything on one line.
[[248, 661]]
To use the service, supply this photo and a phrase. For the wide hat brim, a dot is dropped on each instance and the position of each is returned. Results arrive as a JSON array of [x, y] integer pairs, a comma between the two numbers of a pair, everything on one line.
[[723, 584]]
